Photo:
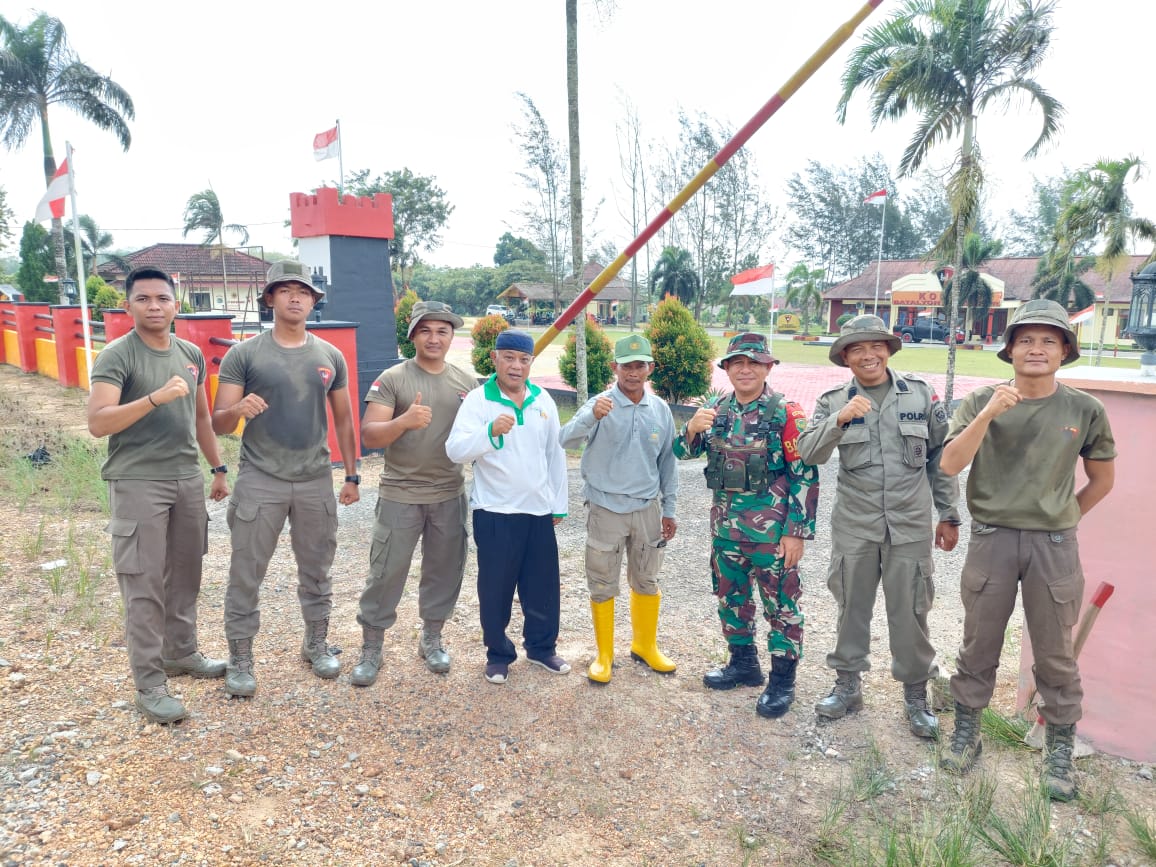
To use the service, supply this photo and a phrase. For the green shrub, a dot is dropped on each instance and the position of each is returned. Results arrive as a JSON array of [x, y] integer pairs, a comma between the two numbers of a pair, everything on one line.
[[599, 355], [682, 353], [401, 314], [844, 319], [102, 296], [485, 333]]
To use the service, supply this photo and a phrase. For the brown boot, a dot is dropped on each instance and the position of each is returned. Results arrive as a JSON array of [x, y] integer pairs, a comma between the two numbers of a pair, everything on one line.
[[966, 744], [846, 696], [1059, 744]]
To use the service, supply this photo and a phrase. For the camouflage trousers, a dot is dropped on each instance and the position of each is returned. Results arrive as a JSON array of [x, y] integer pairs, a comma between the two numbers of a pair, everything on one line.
[[737, 566]]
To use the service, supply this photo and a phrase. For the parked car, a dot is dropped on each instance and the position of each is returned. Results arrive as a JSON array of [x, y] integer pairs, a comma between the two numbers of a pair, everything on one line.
[[925, 328], [499, 310]]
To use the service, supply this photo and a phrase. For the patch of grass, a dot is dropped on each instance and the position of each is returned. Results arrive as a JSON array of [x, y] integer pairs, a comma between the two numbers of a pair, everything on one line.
[[1006, 731], [1100, 797], [830, 843], [945, 840], [1025, 838], [870, 776], [1143, 832]]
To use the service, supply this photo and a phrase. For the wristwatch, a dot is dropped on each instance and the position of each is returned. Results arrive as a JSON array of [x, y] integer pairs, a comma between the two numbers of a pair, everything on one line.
[[222, 469], [355, 478]]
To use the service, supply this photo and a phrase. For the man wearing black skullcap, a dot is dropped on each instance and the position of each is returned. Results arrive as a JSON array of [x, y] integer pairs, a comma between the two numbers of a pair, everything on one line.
[[508, 428]]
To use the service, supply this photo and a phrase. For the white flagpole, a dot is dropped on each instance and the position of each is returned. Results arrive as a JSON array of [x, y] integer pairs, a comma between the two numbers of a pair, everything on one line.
[[340, 162], [85, 324], [771, 329], [879, 261]]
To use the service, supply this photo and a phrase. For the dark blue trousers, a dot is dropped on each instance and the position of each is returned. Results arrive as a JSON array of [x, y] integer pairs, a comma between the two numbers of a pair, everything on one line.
[[517, 552]]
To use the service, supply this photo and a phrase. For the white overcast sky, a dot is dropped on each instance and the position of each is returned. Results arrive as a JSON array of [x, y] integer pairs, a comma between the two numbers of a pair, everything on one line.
[[232, 94]]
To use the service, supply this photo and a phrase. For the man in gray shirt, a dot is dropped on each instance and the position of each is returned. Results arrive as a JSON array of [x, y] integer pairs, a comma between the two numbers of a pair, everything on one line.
[[631, 491], [889, 429]]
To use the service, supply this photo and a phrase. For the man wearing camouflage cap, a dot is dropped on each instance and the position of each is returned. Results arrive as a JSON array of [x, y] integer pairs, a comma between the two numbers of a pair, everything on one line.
[[1023, 439], [765, 498], [409, 411], [281, 382], [631, 491], [889, 429]]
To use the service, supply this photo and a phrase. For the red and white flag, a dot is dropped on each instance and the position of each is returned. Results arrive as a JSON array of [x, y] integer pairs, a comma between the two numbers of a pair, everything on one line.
[[1083, 316], [326, 145], [754, 281], [52, 205], [876, 198]]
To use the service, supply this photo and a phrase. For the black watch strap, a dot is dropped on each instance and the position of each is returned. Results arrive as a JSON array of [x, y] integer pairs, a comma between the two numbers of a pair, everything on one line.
[[355, 479], [222, 469]]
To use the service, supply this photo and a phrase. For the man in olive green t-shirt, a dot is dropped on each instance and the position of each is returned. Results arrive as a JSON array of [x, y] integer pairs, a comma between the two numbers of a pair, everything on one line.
[[281, 382], [1023, 440], [409, 411], [148, 399]]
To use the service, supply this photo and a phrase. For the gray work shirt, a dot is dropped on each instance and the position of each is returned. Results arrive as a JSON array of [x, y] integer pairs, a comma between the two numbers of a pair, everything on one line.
[[889, 472], [628, 459]]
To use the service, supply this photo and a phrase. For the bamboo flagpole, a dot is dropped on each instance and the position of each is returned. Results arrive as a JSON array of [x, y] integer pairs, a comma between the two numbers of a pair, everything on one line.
[[812, 64]]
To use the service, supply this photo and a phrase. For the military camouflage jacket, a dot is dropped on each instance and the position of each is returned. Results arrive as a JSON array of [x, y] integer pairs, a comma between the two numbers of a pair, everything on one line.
[[889, 473], [788, 507]]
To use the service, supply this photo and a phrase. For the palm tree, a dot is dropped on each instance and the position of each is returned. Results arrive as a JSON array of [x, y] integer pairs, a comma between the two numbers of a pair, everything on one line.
[[39, 69], [1098, 206], [804, 290], [203, 214], [675, 274], [974, 291], [948, 60], [1060, 278]]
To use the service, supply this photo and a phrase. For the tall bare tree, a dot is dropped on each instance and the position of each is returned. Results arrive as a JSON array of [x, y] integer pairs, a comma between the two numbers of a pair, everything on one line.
[[575, 192]]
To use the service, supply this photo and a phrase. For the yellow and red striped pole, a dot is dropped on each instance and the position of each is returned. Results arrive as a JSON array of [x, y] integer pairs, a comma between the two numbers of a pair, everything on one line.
[[717, 162]]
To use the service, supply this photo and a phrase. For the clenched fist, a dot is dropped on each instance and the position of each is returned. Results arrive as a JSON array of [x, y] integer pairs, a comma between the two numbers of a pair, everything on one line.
[[857, 407], [252, 405], [1002, 399], [502, 425], [602, 407], [174, 389], [700, 421]]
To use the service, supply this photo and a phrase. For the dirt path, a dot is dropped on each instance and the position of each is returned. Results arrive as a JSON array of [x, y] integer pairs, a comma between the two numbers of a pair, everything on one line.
[[428, 770]]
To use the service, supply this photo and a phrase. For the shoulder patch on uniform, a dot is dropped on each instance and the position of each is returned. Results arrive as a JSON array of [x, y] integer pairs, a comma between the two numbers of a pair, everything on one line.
[[834, 389]]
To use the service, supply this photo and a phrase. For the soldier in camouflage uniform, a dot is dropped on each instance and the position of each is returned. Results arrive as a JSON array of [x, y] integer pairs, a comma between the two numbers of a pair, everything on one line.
[[765, 499], [889, 429]]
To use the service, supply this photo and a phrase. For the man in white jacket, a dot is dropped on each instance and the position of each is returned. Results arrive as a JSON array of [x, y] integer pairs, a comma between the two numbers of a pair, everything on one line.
[[508, 428]]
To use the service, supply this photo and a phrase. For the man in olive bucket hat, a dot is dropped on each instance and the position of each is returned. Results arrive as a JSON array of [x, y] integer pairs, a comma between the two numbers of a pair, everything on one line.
[[889, 429], [1023, 439]]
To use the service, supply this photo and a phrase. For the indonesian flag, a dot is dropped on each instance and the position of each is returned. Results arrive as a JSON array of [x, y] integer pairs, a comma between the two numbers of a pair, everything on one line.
[[877, 198], [754, 281], [51, 207], [1083, 316], [326, 145]]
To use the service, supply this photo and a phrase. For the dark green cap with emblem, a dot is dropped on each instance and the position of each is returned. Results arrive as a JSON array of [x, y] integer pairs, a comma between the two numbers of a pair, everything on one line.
[[751, 345], [859, 330], [634, 347]]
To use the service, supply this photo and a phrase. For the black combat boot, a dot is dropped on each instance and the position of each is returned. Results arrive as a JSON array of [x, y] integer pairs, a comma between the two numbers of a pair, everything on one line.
[[780, 692], [742, 670], [923, 723]]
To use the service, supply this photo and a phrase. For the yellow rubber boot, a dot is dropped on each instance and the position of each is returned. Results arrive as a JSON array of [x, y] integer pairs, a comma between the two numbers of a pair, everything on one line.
[[644, 621], [603, 666]]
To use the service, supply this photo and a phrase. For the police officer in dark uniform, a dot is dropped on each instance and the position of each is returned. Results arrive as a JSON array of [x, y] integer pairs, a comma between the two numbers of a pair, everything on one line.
[[889, 429]]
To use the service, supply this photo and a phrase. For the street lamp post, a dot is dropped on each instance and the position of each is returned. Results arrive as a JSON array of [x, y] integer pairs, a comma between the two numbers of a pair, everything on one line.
[[1142, 318]]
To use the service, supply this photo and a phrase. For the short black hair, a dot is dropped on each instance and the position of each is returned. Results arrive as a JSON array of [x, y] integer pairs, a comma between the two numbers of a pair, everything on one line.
[[146, 272]]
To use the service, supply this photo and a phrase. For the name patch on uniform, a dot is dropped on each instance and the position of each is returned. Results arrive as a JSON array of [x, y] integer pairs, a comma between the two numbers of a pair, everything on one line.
[[913, 416]]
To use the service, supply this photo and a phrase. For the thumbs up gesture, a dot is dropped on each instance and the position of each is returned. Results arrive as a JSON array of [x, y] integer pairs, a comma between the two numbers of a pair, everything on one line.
[[417, 416]]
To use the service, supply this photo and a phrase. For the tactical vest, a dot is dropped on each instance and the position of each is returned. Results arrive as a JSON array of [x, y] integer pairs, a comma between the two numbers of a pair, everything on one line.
[[742, 469]]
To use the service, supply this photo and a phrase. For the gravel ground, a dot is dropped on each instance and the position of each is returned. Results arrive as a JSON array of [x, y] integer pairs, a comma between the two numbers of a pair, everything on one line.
[[445, 770]]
